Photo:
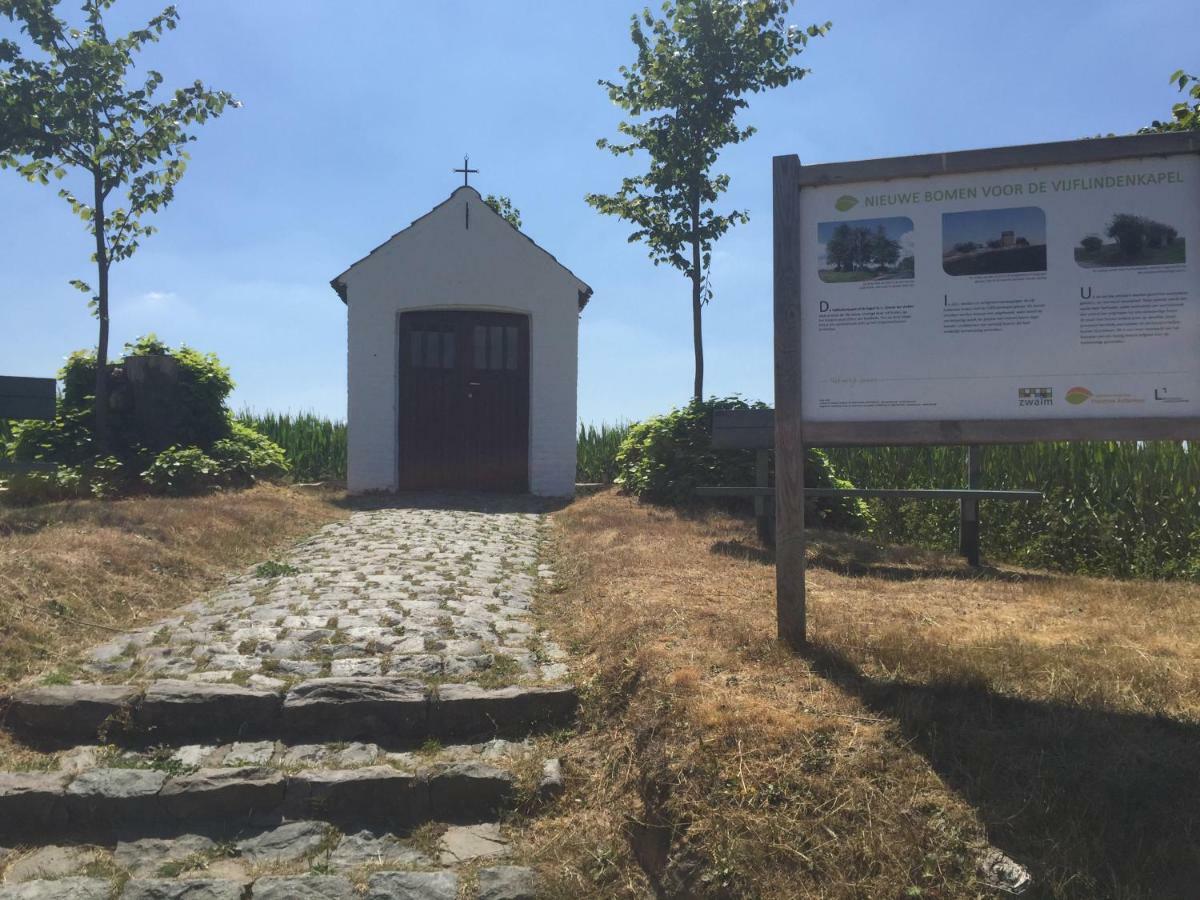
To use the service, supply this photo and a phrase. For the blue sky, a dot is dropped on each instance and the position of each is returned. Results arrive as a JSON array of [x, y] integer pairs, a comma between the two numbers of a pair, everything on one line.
[[356, 112], [985, 225]]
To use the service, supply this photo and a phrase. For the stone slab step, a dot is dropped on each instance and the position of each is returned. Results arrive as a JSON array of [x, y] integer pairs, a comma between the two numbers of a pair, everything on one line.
[[493, 883], [380, 709], [107, 801]]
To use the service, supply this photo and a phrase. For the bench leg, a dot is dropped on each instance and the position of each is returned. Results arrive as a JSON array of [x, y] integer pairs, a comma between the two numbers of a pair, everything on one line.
[[764, 507], [968, 511]]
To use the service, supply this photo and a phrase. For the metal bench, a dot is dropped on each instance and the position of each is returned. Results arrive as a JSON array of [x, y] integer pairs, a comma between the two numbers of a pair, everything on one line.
[[754, 429], [26, 398]]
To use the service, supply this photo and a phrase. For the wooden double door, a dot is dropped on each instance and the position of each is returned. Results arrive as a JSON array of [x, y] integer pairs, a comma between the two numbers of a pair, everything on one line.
[[464, 401]]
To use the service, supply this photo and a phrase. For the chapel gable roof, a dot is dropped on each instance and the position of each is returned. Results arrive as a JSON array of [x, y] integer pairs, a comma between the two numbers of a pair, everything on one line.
[[339, 284]]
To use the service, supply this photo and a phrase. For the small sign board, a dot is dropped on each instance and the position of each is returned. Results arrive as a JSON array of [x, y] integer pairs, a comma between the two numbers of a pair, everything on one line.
[[26, 398], [1044, 292]]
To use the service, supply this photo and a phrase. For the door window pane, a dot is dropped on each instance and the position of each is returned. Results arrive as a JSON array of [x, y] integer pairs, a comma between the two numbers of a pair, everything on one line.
[[480, 338], [416, 341], [447, 349], [496, 357], [510, 347]]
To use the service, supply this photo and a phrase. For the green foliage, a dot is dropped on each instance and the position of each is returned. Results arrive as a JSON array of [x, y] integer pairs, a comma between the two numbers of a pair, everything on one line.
[[274, 569], [695, 70], [315, 447], [182, 470], [246, 455], [66, 439], [665, 458], [174, 435], [66, 105], [596, 452], [505, 208], [1185, 115], [1115, 509]]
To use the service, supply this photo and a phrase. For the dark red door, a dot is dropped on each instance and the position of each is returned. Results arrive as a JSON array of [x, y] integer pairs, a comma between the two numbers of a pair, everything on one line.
[[464, 401]]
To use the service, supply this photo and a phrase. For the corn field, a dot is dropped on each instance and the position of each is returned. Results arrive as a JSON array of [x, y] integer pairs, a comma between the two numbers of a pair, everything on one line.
[[596, 451], [315, 447], [1119, 509]]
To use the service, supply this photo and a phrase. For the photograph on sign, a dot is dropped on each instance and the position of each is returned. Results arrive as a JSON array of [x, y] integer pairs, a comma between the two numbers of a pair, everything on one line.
[[1064, 292], [865, 250]]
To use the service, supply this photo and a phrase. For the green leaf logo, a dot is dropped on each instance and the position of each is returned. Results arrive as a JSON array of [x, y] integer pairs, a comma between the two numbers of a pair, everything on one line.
[[846, 203], [1077, 395]]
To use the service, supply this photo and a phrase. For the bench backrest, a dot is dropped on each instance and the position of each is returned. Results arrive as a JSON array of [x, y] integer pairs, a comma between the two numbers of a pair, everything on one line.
[[26, 398], [743, 429]]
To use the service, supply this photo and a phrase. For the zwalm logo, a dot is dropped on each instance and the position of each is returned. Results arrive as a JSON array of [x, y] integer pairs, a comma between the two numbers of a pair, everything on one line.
[[846, 202]]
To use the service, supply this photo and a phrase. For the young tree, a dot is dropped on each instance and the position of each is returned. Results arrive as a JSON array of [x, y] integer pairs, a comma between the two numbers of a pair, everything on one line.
[[65, 105], [695, 68]]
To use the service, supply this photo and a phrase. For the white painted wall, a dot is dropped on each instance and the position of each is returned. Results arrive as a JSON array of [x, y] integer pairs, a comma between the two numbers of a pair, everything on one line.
[[438, 263]]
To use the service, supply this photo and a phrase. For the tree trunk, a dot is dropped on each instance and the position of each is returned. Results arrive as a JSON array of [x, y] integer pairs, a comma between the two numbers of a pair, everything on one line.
[[697, 296], [102, 264]]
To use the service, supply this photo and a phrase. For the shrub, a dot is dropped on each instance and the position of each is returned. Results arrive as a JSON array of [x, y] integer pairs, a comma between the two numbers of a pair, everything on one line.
[[246, 456], [171, 431], [65, 439], [665, 458], [182, 470], [1092, 243]]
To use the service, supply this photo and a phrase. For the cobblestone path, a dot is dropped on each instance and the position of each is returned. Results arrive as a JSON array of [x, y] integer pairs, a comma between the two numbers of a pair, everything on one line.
[[352, 719]]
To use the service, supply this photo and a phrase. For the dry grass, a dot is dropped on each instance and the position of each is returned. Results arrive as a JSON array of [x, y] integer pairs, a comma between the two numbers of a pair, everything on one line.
[[72, 572], [936, 711]]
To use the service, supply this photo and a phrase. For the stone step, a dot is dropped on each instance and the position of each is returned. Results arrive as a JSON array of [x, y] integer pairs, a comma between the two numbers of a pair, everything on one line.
[[491, 883], [298, 859], [380, 709], [102, 802]]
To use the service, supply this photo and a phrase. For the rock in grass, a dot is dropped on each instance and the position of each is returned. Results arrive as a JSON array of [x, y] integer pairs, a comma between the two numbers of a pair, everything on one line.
[[507, 883], [1002, 873]]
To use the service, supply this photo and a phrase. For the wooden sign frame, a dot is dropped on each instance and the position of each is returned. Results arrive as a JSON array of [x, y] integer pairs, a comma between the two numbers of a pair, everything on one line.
[[792, 433]]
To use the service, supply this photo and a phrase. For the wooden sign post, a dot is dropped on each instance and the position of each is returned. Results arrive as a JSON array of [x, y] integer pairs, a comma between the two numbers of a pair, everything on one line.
[[982, 297], [790, 545]]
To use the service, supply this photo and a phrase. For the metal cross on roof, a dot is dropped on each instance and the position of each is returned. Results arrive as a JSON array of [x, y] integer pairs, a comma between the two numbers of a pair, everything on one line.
[[466, 170]]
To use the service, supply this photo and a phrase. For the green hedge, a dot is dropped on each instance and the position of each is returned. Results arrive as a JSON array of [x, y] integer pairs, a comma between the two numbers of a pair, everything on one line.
[[665, 458]]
